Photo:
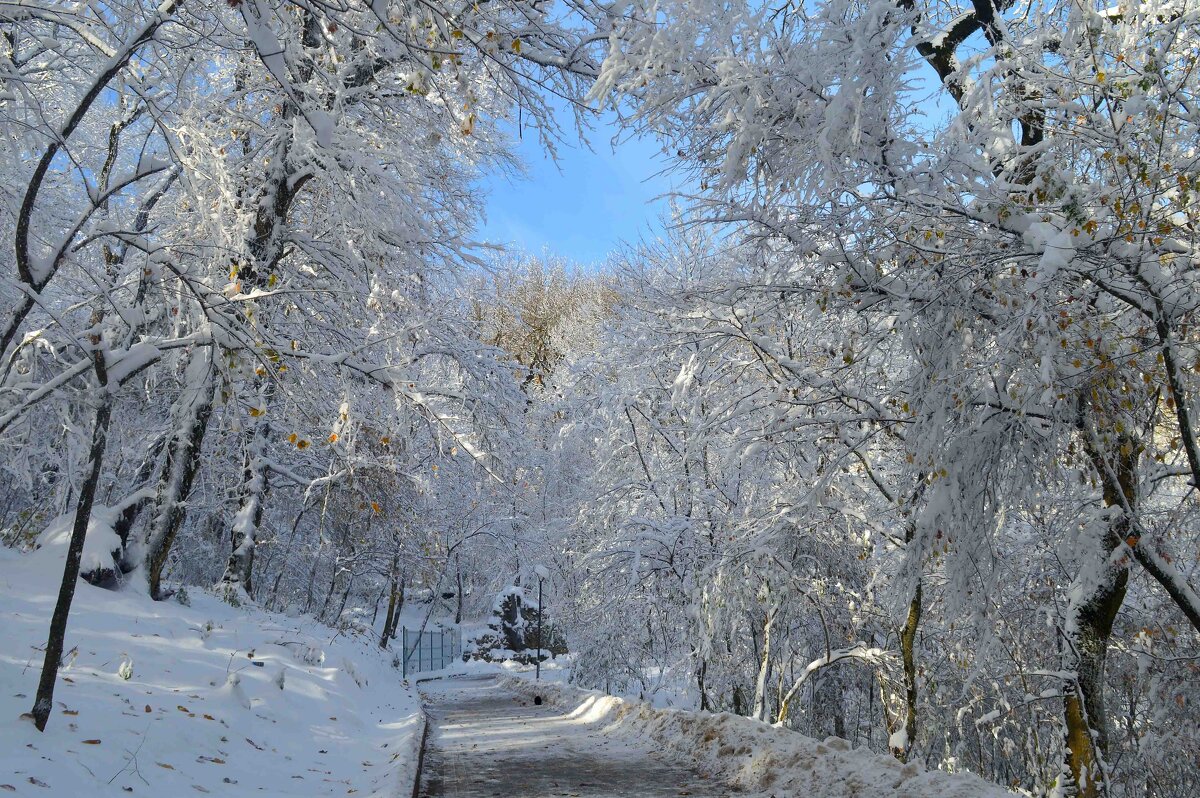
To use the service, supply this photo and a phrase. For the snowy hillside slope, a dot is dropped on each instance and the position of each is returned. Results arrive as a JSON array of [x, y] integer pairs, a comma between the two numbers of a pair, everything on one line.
[[760, 759], [159, 699]]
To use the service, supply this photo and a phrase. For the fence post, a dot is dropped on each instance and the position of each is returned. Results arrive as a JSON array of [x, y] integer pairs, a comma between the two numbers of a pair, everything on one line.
[[404, 650]]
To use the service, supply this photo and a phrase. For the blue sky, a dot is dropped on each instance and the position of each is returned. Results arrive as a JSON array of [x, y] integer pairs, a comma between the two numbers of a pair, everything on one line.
[[584, 206], [591, 200]]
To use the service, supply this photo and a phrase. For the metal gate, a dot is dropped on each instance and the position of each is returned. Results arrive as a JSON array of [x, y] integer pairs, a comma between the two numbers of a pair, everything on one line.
[[430, 651]]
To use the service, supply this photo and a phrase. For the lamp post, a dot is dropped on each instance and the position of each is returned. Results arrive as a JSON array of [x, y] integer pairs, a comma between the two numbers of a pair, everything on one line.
[[542, 575]]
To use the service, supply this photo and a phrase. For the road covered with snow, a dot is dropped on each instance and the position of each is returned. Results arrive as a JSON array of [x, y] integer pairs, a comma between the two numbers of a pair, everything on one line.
[[488, 740]]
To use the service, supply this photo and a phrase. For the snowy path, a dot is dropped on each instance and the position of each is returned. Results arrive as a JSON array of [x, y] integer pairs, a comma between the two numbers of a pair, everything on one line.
[[486, 741]]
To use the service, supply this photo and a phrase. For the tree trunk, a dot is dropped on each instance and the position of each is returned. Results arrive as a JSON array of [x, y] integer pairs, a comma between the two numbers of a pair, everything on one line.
[[345, 598], [399, 606], [458, 609], [239, 570], [375, 610], [1096, 597], [55, 642], [908, 637], [759, 709], [1085, 653], [391, 609], [193, 411], [332, 587]]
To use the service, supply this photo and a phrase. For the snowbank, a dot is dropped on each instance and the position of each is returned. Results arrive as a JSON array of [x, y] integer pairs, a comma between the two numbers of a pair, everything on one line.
[[99, 545], [159, 699], [757, 758]]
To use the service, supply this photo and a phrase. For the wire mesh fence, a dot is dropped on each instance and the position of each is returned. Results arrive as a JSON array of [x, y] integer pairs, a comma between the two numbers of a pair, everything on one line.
[[430, 650]]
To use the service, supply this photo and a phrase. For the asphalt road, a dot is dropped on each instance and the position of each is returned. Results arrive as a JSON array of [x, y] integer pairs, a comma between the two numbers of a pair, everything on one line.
[[486, 741]]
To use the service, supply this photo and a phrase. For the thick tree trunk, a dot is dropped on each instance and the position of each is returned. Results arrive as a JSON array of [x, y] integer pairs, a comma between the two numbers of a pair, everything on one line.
[[1089, 627], [55, 642], [908, 660], [183, 462], [1096, 597], [902, 729], [239, 570]]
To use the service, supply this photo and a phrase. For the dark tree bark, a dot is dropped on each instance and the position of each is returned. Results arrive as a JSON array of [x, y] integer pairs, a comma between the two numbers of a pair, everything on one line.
[[701, 673], [458, 610], [392, 612], [55, 642], [399, 606]]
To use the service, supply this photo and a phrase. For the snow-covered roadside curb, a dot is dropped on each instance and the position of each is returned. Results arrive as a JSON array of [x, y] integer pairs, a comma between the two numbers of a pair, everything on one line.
[[416, 754], [410, 753], [755, 757]]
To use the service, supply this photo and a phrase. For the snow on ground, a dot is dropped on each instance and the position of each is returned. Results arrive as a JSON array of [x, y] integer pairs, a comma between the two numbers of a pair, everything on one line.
[[759, 759], [218, 699]]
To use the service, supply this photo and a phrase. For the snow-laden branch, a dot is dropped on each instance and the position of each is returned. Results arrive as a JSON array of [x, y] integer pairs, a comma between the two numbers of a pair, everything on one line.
[[859, 651], [32, 272]]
